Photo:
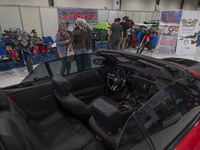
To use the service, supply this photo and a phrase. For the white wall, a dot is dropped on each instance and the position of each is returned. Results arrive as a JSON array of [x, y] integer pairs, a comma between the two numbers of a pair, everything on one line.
[[170, 4], [190, 4], [31, 19], [49, 23], [138, 5], [93, 4], [142, 5], [9, 18], [25, 2]]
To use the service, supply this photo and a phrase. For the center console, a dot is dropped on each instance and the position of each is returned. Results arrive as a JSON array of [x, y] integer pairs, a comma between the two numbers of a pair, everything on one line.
[[127, 105]]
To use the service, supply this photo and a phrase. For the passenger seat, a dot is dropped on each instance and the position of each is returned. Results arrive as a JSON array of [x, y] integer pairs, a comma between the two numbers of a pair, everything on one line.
[[57, 132]]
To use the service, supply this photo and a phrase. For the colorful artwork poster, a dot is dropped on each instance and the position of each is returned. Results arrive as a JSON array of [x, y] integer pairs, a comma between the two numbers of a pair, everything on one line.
[[70, 15], [171, 17], [188, 33], [168, 31]]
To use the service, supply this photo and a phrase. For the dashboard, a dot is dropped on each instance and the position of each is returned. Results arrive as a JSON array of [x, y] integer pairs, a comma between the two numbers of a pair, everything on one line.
[[136, 85], [134, 74]]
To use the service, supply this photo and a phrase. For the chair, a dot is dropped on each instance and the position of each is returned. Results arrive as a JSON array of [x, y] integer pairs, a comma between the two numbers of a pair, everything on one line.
[[62, 91], [48, 40]]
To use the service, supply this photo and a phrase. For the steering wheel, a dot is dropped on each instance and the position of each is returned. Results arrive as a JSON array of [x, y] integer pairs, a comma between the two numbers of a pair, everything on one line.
[[116, 78]]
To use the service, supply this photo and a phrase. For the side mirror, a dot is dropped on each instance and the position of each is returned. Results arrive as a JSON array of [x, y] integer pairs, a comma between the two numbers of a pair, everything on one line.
[[99, 61]]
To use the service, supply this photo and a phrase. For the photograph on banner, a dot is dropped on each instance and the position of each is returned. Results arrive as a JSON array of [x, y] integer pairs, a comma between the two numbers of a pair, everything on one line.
[[188, 33], [70, 15], [168, 31]]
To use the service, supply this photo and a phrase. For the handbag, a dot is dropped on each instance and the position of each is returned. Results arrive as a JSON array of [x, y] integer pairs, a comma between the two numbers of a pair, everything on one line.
[[70, 53]]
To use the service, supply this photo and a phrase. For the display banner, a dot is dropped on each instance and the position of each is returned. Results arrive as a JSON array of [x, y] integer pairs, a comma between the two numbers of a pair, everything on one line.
[[70, 15], [168, 31], [188, 32]]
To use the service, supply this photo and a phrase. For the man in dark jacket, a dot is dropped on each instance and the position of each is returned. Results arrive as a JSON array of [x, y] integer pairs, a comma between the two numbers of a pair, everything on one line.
[[115, 35], [125, 28]]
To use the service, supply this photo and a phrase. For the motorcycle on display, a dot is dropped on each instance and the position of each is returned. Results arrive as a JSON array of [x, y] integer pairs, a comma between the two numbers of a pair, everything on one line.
[[18, 44], [149, 40], [130, 37]]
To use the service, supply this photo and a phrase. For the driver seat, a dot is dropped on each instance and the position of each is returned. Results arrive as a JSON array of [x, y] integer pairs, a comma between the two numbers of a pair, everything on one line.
[[62, 91]]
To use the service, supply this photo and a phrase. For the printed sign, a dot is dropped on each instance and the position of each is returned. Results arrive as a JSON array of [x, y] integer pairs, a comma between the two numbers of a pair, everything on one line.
[[70, 15], [188, 33], [168, 31]]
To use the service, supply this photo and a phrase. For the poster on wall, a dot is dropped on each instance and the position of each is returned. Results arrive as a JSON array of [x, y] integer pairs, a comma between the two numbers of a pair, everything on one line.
[[70, 15], [168, 31], [188, 33]]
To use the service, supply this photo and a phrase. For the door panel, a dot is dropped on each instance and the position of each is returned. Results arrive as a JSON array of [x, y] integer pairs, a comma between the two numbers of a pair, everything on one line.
[[38, 100]]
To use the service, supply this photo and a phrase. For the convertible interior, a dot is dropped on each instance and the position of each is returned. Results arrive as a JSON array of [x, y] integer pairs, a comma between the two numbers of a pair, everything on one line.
[[86, 110]]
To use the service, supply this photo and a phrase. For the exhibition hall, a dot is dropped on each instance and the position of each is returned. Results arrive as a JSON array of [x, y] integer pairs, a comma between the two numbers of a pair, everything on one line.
[[100, 74]]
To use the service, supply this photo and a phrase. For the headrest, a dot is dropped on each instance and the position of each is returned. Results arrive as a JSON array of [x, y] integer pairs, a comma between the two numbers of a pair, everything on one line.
[[107, 116], [4, 102], [61, 85]]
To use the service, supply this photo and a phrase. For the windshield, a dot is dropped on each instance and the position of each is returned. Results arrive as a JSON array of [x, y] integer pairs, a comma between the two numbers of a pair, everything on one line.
[[48, 69]]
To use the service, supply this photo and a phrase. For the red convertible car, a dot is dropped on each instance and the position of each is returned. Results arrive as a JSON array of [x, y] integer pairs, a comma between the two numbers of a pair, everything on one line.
[[117, 101]]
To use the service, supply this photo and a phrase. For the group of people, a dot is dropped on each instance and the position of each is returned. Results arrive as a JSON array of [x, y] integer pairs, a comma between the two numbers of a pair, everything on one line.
[[118, 33], [80, 40]]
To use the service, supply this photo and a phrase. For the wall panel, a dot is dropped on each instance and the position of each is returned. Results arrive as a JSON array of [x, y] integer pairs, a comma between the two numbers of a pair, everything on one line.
[[103, 15], [143, 16], [149, 16], [170, 4], [25, 2], [93, 4], [130, 14], [138, 5], [136, 17], [49, 21], [112, 16], [121, 14], [9, 18], [31, 19]]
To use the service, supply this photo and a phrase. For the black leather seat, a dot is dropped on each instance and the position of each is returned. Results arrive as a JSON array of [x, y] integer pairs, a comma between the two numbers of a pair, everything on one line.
[[62, 91], [106, 121], [57, 132]]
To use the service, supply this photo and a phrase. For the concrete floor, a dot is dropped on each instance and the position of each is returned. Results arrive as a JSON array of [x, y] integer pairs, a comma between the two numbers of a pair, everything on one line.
[[15, 76]]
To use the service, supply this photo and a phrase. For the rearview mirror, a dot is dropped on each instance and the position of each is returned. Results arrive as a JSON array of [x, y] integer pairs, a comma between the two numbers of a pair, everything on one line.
[[99, 61]]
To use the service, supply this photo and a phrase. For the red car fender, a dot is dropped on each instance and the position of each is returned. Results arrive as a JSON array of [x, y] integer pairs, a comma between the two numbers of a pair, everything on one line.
[[192, 140]]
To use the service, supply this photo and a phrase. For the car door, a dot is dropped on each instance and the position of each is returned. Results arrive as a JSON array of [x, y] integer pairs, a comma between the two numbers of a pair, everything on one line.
[[37, 98]]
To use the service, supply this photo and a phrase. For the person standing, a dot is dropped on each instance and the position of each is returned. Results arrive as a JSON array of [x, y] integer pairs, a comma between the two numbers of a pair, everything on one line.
[[115, 35], [79, 44], [116, 20], [125, 35], [63, 39], [88, 62]]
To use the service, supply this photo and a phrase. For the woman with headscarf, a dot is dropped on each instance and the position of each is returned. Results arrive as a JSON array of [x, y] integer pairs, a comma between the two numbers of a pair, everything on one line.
[[79, 44], [63, 39]]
